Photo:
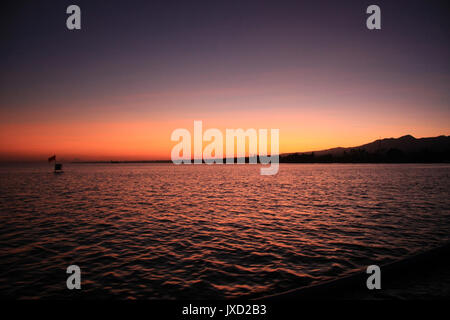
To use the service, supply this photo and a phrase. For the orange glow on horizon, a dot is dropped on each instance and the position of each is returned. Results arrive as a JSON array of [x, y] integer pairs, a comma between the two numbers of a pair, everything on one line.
[[150, 140]]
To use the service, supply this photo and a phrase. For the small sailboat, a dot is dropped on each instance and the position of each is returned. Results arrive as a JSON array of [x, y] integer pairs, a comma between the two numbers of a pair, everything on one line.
[[58, 166]]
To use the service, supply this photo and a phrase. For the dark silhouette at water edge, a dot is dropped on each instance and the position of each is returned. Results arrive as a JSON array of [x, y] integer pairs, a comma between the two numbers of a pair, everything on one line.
[[405, 149]]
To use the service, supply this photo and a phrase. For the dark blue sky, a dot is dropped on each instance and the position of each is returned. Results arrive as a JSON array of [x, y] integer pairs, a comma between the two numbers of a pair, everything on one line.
[[247, 52]]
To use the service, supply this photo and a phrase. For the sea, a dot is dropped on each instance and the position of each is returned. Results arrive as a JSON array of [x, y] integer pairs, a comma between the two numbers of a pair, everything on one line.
[[165, 231]]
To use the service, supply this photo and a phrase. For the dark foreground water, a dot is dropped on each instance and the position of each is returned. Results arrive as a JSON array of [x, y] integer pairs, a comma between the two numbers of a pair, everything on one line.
[[165, 231]]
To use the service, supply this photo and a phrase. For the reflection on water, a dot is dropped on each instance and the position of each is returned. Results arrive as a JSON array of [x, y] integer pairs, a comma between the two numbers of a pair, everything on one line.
[[165, 231]]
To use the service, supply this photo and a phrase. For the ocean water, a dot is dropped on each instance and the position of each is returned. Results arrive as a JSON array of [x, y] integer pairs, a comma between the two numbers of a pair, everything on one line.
[[151, 231]]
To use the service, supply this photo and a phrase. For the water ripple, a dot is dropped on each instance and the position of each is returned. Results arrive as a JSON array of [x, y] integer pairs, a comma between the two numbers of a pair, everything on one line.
[[165, 231]]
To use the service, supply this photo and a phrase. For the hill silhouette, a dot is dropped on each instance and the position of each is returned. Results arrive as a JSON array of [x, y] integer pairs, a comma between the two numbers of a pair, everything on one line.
[[405, 149]]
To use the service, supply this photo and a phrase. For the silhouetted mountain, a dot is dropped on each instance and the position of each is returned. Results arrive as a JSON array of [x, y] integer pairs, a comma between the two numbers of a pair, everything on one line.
[[403, 149]]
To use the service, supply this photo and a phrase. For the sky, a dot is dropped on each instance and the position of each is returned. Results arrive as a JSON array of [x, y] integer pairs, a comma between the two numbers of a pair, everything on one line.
[[137, 70]]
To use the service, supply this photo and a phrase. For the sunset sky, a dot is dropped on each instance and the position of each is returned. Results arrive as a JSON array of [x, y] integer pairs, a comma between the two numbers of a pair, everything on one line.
[[140, 69]]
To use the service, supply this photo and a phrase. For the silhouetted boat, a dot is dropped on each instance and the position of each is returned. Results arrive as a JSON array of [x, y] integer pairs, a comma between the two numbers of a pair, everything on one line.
[[58, 166]]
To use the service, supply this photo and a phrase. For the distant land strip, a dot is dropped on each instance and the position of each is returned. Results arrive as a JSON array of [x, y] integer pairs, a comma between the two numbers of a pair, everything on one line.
[[405, 149]]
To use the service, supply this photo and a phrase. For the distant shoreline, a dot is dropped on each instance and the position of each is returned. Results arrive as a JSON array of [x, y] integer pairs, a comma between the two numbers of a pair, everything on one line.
[[281, 161], [406, 149], [124, 161]]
